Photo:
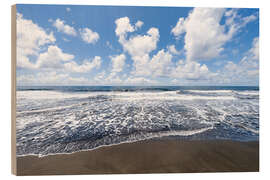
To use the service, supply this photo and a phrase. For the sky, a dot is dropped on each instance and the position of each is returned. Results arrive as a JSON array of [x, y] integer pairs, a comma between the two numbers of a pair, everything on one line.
[[119, 45]]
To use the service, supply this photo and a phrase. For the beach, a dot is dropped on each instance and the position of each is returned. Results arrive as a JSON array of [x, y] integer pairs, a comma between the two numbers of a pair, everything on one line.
[[109, 130], [149, 156]]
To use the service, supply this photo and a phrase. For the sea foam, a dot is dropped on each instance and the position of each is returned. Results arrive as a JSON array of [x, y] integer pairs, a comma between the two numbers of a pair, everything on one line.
[[53, 121]]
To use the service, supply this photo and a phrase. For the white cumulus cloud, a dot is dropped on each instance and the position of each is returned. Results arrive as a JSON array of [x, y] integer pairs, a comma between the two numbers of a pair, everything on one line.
[[139, 81], [64, 28], [51, 78], [254, 50], [191, 70], [138, 46], [160, 64], [205, 36], [246, 71], [52, 58], [89, 36], [123, 26], [141, 45], [173, 50], [30, 39], [86, 66], [118, 63], [138, 24]]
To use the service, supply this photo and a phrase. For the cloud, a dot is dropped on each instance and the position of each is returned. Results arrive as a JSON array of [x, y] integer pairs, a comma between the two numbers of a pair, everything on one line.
[[23, 62], [118, 63], [191, 70], [160, 64], [32, 41], [55, 59], [249, 19], [174, 81], [64, 28], [139, 81], [89, 36], [50, 78], [86, 66], [254, 50], [205, 32], [109, 44], [31, 38], [66, 40], [138, 24], [173, 50], [205, 36], [52, 58], [246, 71], [112, 80], [41, 78], [100, 77], [235, 21], [139, 46], [179, 27], [123, 26]]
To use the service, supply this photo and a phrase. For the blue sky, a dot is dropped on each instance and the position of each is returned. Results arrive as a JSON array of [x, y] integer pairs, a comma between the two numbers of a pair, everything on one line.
[[102, 45]]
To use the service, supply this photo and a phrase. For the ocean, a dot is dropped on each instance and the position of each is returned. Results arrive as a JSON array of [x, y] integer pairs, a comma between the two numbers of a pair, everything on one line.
[[66, 119]]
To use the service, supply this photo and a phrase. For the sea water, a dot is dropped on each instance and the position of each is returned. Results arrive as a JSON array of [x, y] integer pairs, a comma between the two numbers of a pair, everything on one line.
[[67, 119]]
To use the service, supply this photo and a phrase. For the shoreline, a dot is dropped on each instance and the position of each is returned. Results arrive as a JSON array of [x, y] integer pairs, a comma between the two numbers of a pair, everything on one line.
[[149, 156], [136, 141]]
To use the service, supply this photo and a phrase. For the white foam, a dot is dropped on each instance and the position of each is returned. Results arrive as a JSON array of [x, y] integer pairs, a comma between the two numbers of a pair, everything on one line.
[[252, 130], [176, 98], [247, 128], [135, 139], [222, 112], [248, 93], [172, 95], [182, 133], [210, 91], [49, 109], [40, 95], [127, 96], [144, 108]]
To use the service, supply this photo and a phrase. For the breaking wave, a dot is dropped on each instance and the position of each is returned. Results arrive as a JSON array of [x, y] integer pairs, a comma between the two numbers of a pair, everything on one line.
[[53, 121]]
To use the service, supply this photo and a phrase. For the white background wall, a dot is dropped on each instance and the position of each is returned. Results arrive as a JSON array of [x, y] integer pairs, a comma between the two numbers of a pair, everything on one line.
[[5, 86]]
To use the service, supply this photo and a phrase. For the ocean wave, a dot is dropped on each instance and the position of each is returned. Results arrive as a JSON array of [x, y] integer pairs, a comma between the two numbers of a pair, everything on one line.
[[97, 88], [246, 127], [135, 137], [248, 93], [210, 91], [129, 96], [57, 120]]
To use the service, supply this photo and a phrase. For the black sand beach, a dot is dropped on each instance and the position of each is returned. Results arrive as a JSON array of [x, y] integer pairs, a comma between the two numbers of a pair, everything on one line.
[[150, 156]]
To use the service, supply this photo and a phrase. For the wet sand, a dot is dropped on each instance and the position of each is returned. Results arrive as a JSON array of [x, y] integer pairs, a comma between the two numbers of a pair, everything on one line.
[[150, 156]]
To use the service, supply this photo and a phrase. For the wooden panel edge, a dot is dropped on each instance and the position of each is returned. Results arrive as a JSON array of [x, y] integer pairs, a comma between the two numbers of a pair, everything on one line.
[[13, 90]]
